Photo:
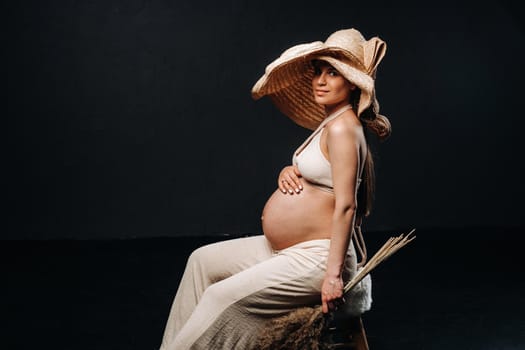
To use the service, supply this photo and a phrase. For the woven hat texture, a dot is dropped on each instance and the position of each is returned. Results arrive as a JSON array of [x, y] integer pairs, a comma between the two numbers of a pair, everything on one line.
[[288, 79]]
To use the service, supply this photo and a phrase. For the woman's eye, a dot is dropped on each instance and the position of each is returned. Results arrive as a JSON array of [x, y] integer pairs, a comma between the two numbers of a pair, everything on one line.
[[333, 73], [317, 71]]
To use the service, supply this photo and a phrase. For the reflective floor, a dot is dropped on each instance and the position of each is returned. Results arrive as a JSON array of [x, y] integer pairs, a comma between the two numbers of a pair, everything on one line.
[[449, 289]]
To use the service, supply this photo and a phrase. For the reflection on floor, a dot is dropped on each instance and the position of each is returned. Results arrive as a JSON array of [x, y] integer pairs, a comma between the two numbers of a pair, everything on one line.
[[449, 289]]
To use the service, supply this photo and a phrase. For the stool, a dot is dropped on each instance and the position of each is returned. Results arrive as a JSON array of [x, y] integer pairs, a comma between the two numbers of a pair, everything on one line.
[[346, 334]]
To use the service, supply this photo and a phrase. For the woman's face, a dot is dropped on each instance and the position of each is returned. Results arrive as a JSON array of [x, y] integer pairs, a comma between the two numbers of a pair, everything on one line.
[[329, 87]]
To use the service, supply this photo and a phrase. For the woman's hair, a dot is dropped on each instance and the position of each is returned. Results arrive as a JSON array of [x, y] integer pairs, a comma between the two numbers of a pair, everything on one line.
[[380, 126]]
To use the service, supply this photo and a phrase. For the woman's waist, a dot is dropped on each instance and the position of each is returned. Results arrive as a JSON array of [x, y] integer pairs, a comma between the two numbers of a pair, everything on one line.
[[312, 198], [322, 183], [318, 184], [298, 239], [319, 247], [310, 243], [299, 236]]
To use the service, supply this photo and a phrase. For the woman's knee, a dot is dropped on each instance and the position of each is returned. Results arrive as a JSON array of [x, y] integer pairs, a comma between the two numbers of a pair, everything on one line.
[[218, 294], [207, 261], [200, 255], [200, 259]]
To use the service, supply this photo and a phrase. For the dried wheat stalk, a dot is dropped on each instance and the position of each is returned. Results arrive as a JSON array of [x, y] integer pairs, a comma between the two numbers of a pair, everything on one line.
[[390, 247]]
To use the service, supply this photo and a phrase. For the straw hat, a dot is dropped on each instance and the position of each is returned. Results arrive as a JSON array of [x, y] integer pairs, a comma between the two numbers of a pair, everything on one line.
[[288, 79]]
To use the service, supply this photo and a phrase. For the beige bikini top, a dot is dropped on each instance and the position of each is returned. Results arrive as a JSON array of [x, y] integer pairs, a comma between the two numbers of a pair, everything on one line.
[[310, 160]]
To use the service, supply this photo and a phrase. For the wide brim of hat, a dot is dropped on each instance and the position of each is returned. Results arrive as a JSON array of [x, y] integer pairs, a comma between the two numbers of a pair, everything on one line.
[[288, 82]]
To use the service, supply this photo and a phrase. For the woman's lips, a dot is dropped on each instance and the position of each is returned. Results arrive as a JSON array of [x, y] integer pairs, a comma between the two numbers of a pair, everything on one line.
[[320, 92]]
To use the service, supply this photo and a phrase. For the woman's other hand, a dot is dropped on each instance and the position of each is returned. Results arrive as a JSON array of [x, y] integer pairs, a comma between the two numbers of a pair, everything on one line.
[[332, 293], [289, 181]]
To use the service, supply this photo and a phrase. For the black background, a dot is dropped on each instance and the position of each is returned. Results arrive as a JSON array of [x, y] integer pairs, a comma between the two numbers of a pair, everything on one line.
[[134, 118]]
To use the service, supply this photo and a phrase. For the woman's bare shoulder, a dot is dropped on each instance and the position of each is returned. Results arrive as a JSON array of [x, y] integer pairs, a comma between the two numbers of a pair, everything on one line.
[[347, 125]]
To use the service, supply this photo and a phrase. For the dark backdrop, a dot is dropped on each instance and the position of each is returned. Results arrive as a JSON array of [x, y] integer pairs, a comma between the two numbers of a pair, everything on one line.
[[134, 118]]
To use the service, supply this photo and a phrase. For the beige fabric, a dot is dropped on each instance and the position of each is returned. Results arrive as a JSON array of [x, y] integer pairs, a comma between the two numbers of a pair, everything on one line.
[[231, 288]]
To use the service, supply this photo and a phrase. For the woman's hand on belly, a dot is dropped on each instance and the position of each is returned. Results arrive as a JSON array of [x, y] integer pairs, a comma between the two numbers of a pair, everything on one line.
[[289, 180]]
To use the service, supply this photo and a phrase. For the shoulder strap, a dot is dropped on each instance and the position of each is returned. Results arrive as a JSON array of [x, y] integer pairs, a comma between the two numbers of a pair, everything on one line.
[[321, 126], [359, 242]]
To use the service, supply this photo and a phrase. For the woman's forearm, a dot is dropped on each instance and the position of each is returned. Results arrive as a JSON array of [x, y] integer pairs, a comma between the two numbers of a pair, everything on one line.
[[342, 224]]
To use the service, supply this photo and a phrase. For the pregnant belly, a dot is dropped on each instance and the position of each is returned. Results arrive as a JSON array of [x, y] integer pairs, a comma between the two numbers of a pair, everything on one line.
[[288, 219]]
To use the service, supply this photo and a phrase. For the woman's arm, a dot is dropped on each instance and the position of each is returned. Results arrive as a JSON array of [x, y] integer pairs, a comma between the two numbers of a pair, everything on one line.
[[342, 140]]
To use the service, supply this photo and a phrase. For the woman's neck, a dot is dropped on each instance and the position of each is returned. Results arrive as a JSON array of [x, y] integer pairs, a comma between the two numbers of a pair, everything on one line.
[[332, 109]]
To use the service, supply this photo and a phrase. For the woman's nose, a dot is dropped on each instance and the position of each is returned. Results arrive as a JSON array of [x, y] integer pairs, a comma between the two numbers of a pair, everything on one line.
[[321, 79]]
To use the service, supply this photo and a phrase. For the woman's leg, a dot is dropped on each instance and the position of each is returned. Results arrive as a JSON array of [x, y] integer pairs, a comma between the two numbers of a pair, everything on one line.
[[231, 313], [206, 266]]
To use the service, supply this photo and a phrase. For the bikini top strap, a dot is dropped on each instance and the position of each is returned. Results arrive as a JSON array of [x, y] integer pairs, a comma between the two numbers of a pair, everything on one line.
[[359, 242], [321, 126]]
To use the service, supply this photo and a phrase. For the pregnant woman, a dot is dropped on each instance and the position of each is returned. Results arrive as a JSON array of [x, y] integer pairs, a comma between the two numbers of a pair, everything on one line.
[[230, 289]]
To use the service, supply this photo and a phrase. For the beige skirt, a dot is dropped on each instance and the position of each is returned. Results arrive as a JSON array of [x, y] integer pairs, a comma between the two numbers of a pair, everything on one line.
[[230, 289]]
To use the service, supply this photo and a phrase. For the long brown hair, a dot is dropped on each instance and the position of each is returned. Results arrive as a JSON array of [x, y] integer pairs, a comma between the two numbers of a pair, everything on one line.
[[381, 127]]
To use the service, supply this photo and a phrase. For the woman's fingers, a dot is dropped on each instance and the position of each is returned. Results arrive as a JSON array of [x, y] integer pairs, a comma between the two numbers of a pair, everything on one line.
[[332, 294], [296, 183], [285, 186], [292, 182], [289, 181], [281, 183], [284, 183], [330, 304], [325, 305], [297, 177]]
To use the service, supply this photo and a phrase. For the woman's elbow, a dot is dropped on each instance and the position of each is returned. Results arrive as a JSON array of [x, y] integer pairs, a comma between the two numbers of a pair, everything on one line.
[[347, 210]]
